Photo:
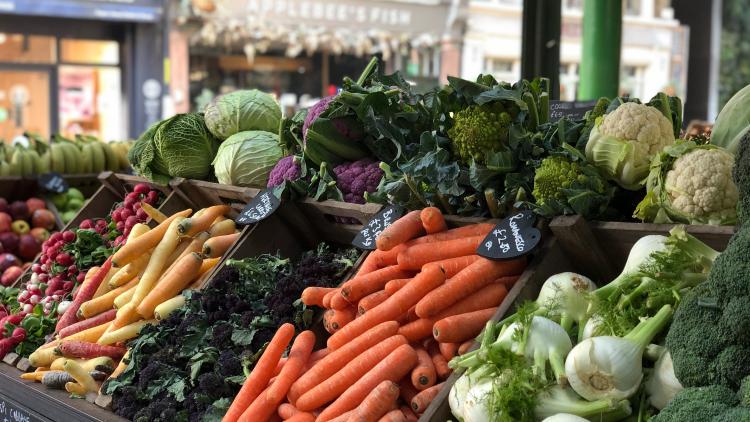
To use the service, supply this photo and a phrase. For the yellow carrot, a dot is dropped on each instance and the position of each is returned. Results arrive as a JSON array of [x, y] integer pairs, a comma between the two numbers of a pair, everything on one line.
[[125, 315], [165, 308], [152, 212], [84, 378], [217, 246], [130, 271], [196, 245], [196, 224], [158, 261], [121, 366], [42, 357], [137, 246], [125, 297], [172, 283], [75, 388], [105, 302], [90, 335], [57, 364], [125, 333], [33, 376], [221, 228], [208, 264]]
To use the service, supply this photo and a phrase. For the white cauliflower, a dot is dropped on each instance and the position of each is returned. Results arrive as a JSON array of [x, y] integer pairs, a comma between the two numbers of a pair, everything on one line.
[[692, 184], [623, 142]]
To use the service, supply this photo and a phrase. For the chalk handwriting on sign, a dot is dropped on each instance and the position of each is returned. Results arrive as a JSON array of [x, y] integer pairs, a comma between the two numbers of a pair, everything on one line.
[[572, 109], [10, 411], [513, 237], [53, 182], [258, 208], [365, 239]]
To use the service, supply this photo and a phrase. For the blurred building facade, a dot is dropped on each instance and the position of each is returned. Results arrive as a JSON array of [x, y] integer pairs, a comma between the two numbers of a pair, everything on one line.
[[653, 54]]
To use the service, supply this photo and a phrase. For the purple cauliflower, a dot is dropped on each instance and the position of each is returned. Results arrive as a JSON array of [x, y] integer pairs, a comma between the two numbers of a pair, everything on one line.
[[288, 168], [347, 127], [357, 177], [315, 111]]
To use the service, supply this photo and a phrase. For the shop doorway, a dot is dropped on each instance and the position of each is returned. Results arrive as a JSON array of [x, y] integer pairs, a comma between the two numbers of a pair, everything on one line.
[[24, 102]]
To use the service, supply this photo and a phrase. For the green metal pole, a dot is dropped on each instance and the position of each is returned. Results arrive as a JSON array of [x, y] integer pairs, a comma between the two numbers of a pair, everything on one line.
[[600, 60]]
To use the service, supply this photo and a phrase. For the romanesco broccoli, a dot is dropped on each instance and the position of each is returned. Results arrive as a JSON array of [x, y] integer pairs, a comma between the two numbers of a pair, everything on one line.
[[479, 131], [565, 186]]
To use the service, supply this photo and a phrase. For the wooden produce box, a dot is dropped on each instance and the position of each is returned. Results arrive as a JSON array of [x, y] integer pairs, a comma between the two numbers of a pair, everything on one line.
[[597, 250], [23, 187]]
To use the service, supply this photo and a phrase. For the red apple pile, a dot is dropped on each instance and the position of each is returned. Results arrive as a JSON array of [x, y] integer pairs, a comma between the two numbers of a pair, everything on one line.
[[24, 226]]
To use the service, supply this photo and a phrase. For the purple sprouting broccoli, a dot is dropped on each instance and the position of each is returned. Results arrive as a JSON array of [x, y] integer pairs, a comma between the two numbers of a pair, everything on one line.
[[357, 177], [288, 168]]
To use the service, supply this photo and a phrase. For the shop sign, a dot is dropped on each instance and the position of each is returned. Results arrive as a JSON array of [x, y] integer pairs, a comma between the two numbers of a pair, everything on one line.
[[571, 109], [108, 10], [10, 411], [417, 17]]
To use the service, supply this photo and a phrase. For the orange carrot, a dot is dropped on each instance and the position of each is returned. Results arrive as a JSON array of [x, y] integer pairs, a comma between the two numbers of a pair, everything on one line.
[[417, 330], [432, 220], [377, 403], [421, 401], [370, 301], [85, 293], [135, 247], [448, 350], [286, 411], [217, 246], [261, 409], [298, 356], [369, 264], [171, 284], [335, 319], [393, 286], [344, 417], [402, 230], [335, 360], [103, 302], [302, 417], [409, 414], [423, 375], [407, 390], [415, 256], [396, 305], [198, 223], [347, 376], [441, 365], [327, 298], [258, 378], [279, 366], [338, 301], [395, 415], [461, 327], [359, 287], [487, 297], [481, 229], [387, 258], [318, 355], [508, 281], [395, 366], [453, 266], [468, 281], [465, 346], [313, 296], [207, 265]]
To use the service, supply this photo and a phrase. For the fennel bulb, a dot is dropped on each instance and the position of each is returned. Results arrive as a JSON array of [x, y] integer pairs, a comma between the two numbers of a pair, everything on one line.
[[476, 405], [556, 400], [592, 327], [610, 367], [457, 395], [565, 417], [566, 294], [543, 340], [639, 254], [662, 384]]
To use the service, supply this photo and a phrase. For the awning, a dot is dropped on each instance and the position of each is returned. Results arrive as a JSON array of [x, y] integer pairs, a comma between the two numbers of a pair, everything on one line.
[[337, 26], [107, 10]]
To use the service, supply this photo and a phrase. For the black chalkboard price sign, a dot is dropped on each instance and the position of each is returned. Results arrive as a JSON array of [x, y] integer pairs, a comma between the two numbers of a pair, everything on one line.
[[259, 208], [513, 237], [52, 182], [572, 109], [365, 239], [10, 411]]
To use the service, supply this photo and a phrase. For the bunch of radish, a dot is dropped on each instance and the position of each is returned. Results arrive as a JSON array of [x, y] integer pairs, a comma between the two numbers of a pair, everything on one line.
[[53, 276], [131, 211]]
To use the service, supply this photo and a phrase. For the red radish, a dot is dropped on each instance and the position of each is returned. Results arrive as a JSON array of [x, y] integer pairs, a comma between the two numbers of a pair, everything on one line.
[[86, 224], [68, 236]]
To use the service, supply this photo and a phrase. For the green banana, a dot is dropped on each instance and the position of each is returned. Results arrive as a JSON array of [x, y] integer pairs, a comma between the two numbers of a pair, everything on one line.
[[112, 161], [87, 156], [100, 162], [34, 161], [44, 163], [70, 152], [57, 158], [4, 169], [17, 162]]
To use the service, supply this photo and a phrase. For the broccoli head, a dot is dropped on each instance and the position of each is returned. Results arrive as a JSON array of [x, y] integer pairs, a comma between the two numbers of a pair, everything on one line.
[[708, 337], [715, 403], [479, 131], [357, 177], [565, 186]]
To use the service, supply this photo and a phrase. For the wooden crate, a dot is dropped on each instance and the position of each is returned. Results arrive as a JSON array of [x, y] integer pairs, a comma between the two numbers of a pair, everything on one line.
[[595, 249], [24, 187]]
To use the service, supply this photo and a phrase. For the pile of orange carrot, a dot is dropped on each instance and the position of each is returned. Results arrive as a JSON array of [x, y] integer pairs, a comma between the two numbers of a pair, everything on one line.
[[416, 302]]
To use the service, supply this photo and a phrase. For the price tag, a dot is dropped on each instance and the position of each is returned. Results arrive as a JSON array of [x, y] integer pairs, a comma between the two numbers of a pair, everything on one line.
[[365, 239], [10, 411], [572, 109], [513, 237], [258, 208], [52, 182]]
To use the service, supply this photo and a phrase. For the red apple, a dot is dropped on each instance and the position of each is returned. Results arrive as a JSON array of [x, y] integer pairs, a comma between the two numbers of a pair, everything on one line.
[[10, 275], [43, 218], [9, 240], [28, 247], [35, 204], [20, 227], [19, 210], [40, 234], [4, 206], [5, 222], [8, 260]]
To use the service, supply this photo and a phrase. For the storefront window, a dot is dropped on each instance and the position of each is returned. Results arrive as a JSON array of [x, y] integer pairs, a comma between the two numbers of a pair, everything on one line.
[[89, 51], [24, 103], [20, 48], [90, 101]]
